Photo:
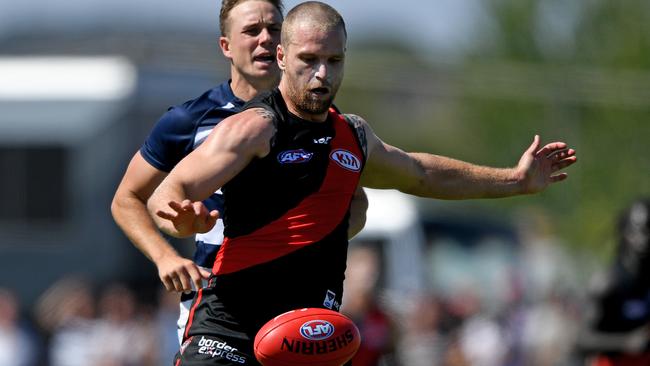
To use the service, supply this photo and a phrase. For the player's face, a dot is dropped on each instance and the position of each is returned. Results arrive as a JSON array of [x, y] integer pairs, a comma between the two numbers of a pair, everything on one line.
[[253, 35], [313, 68]]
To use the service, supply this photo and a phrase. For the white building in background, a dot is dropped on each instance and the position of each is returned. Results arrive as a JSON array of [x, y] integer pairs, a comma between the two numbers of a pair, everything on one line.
[[62, 119]]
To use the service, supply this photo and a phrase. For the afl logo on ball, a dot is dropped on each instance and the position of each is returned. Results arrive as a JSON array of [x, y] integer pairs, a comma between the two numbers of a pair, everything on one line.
[[346, 160], [316, 330]]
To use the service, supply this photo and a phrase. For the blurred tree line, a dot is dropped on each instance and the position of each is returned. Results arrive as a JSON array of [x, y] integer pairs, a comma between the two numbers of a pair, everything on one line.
[[572, 71]]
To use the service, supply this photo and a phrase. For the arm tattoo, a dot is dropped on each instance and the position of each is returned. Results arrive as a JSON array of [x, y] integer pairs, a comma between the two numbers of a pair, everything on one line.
[[266, 114], [357, 123]]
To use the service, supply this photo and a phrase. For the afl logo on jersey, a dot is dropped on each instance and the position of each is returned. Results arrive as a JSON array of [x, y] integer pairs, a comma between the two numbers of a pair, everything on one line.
[[294, 156], [346, 160]]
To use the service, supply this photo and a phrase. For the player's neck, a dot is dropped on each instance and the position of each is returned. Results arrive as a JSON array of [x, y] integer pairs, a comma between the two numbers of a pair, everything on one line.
[[245, 89]]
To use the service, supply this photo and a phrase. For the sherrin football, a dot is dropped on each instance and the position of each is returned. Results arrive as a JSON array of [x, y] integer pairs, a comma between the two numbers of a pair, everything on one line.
[[307, 337]]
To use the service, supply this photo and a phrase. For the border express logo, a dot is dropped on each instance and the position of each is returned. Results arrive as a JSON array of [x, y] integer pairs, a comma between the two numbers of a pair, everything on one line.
[[294, 156], [346, 160], [316, 330]]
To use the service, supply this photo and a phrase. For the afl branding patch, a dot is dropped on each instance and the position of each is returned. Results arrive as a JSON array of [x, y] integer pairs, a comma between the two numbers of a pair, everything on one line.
[[346, 160], [316, 330], [294, 156]]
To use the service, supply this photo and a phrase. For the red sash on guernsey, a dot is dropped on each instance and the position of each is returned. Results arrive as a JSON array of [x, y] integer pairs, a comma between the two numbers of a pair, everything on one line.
[[312, 220]]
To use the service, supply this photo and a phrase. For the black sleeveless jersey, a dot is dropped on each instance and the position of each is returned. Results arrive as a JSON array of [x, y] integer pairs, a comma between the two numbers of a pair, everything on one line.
[[296, 196], [286, 220]]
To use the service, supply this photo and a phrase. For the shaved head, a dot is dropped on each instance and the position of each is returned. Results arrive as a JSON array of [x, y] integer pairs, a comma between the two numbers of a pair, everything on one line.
[[314, 13]]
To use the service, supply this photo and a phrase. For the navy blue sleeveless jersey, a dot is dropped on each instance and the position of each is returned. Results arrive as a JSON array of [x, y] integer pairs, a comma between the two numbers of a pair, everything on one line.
[[177, 133]]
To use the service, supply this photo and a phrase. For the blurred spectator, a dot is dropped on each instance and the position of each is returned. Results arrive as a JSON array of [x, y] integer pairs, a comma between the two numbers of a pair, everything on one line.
[[548, 335], [124, 338], [166, 317], [16, 345], [543, 322], [422, 343], [65, 312], [480, 338], [361, 305], [617, 325], [79, 335]]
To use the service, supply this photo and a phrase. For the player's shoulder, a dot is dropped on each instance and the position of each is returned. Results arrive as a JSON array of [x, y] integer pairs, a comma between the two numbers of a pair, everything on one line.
[[219, 99], [354, 120], [362, 131], [207, 109], [253, 120], [250, 131], [270, 100]]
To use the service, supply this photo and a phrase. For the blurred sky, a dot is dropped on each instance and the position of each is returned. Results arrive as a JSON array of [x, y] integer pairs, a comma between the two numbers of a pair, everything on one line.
[[442, 25]]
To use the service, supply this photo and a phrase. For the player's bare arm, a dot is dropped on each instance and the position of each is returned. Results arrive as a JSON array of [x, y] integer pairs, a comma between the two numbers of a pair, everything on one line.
[[436, 176], [358, 209], [229, 148], [130, 213]]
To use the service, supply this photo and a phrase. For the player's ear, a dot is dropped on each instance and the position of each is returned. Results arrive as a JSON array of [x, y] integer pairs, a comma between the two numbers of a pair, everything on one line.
[[280, 56], [224, 44]]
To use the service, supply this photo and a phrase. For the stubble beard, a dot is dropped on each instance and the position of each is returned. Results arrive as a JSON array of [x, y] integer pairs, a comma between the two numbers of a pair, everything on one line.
[[308, 103]]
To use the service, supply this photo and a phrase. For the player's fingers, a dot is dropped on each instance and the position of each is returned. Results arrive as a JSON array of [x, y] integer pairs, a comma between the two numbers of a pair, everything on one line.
[[168, 283], [186, 205], [199, 209], [534, 145], [178, 285], [551, 148], [564, 163], [212, 218], [186, 280], [205, 274], [166, 215], [195, 274], [558, 177], [206, 221], [568, 152], [561, 154], [175, 206]]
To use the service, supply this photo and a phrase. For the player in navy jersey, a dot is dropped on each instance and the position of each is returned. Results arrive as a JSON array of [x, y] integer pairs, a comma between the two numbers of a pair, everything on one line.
[[250, 34], [298, 162]]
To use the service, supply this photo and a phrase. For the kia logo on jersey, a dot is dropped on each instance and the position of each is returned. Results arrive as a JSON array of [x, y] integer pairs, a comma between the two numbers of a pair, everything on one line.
[[346, 160], [294, 156]]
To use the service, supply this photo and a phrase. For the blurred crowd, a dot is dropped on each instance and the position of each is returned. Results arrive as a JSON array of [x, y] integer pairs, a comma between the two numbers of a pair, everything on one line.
[[77, 324], [458, 328], [529, 308]]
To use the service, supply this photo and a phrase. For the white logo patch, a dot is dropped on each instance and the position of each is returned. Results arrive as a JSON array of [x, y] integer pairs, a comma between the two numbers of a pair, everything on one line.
[[323, 140], [215, 348], [346, 160]]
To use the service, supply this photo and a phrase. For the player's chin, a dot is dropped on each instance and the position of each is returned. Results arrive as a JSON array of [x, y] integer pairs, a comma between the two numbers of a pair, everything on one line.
[[272, 73], [266, 66]]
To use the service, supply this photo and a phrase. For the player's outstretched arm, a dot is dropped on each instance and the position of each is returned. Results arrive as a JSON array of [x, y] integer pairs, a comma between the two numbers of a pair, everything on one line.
[[227, 150], [130, 213], [437, 176]]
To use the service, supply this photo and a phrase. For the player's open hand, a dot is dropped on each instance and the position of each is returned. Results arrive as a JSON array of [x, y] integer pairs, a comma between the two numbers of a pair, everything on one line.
[[178, 274], [189, 218], [540, 167]]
